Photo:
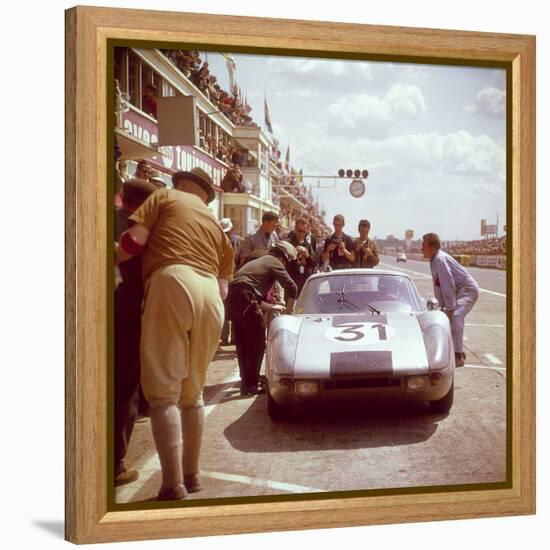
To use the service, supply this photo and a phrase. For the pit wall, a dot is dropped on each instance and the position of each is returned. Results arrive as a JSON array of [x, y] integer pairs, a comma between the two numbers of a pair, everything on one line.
[[495, 262]]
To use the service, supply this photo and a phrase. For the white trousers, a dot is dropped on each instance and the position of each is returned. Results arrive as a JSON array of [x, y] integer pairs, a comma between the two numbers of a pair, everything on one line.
[[465, 301]]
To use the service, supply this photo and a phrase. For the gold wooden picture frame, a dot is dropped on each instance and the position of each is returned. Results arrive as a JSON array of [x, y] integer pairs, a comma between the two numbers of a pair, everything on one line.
[[88, 32]]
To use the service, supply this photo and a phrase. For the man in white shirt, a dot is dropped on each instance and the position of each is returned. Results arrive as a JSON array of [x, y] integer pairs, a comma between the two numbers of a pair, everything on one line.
[[454, 287], [264, 239]]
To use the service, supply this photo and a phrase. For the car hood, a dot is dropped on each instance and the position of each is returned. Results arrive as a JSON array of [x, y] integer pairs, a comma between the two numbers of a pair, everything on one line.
[[346, 345]]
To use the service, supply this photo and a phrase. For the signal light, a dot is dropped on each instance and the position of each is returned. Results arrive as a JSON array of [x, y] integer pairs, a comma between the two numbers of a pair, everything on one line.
[[349, 173]]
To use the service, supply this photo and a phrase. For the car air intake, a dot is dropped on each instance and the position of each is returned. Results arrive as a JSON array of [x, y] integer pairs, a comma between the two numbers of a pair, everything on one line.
[[357, 383]]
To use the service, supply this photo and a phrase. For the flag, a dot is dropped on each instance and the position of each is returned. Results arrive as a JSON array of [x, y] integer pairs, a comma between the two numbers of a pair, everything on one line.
[[267, 117], [287, 159], [300, 178], [231, 69]]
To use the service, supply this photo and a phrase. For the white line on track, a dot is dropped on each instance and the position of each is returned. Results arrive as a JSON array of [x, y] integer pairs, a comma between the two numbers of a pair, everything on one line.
[[429, 277], [492, 292], [392, 267], [152, 465], [482, 367], [290, 487], [493, 359]]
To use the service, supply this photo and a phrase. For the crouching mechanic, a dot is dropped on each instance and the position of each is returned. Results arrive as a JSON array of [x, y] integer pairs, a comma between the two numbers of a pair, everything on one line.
[[247, 298], [187, 263], [454, 287]]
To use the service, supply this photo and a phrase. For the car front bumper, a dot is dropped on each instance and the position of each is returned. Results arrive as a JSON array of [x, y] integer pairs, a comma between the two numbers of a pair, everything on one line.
[[284, 392]]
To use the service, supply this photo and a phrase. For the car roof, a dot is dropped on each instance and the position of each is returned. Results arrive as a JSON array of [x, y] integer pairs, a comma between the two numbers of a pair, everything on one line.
[[358, 271]]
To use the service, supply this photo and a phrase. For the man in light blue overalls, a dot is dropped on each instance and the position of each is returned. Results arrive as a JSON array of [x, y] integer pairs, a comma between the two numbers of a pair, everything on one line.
[[454, 287]]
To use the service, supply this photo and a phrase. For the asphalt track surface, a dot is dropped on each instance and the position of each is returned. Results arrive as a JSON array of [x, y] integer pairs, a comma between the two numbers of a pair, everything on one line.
[[355, 448], [487, 278]]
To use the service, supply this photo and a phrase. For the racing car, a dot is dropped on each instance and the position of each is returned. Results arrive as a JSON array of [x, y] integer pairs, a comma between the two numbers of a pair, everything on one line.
[[401, 257], [359, 333]]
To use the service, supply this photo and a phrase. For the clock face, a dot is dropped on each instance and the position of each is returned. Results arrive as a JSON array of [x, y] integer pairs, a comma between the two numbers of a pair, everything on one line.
[[357, 188]]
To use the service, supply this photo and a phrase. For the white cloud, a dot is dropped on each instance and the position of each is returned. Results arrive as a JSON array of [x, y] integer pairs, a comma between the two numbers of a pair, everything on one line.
[[304, 65], [465, 154], [406, 100], [353, 110], [490, 102], [412, 156], [338, 75], [373, 114]]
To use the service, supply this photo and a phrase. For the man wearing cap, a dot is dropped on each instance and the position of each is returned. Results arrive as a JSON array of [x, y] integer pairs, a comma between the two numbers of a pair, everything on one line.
[[246, 299], [187, 262], [227, 335], [155, 177], [263, 239], [229, 230], [366, 251], [454, 287], [128, 298]]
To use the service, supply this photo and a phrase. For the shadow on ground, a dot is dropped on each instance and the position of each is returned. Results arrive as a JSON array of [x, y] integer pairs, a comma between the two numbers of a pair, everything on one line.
[[349, 426]]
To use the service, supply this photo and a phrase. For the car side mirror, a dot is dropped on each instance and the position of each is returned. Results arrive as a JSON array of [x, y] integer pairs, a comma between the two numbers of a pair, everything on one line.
[[432, 303]]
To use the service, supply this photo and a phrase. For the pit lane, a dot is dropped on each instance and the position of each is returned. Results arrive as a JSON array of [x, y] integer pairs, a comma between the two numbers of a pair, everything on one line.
[[372, 446]]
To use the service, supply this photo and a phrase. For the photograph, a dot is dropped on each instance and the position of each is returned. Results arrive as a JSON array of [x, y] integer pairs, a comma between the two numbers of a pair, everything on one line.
[[299, 274], [360, 344]]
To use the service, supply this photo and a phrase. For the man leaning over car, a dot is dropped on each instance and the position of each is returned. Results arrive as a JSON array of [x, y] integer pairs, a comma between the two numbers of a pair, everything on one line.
[[454, 287], [247, 297]]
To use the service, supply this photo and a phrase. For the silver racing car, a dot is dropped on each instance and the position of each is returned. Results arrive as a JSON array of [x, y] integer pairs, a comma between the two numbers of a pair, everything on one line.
[[359, 332]]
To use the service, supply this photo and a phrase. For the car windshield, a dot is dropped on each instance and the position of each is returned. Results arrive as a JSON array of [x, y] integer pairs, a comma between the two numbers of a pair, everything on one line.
[[358, 293]]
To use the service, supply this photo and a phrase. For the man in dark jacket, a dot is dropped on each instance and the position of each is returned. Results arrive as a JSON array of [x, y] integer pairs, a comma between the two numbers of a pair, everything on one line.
[[338, 250], [128, 298], [306, 247], [247, 297]]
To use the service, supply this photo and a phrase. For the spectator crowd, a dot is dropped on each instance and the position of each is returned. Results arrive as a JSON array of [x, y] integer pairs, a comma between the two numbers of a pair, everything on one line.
[[480, 247], [231, 104]]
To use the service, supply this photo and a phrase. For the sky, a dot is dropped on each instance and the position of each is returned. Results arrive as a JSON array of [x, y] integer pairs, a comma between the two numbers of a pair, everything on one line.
[[432, 137]]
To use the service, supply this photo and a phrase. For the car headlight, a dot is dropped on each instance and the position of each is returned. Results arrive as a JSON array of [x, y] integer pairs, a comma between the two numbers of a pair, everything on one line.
[[306, 387], [417, 382], [283, 352], [437, 347]]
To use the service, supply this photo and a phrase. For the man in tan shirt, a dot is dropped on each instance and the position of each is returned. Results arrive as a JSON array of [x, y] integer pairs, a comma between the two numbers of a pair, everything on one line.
[[366, 251], [187, 263]]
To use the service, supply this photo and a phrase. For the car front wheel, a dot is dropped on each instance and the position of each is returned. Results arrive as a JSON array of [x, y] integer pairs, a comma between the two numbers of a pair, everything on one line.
[[276, 412], [443, 405]]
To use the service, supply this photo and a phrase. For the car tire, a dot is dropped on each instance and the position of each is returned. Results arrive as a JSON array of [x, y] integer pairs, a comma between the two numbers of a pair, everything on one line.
[[443, 405], [276, 412]]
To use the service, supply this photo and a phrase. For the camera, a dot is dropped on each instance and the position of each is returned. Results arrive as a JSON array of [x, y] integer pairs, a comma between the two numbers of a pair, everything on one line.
[[337, 241]]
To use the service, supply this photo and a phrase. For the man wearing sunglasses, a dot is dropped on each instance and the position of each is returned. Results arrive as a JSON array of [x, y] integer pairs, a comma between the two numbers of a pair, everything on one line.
[[306, 245]]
